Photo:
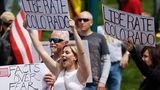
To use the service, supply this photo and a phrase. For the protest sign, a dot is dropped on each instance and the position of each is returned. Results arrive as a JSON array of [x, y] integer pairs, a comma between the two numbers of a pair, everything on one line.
[[23, 77], [46, 14], [122, 25]]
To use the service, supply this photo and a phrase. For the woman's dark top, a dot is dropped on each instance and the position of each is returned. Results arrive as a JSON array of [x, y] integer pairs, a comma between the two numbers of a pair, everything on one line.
[[152, 76]]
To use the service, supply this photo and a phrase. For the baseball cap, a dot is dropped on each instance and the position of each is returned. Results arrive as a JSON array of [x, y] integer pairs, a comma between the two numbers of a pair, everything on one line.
[[7, 17]]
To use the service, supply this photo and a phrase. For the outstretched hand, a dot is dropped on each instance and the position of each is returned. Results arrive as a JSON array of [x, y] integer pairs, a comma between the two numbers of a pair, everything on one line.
[[129, 45]]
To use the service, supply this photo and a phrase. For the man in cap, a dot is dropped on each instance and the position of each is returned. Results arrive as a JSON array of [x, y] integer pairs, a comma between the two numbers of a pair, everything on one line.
[[6, 20]]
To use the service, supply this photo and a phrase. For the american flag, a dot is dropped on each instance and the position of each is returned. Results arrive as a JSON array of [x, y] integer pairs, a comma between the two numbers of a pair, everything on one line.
[[75, 7], [20, 41]]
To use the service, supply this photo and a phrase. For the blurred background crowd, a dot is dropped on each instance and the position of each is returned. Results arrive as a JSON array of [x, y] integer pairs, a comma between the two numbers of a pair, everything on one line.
[[10, 8]]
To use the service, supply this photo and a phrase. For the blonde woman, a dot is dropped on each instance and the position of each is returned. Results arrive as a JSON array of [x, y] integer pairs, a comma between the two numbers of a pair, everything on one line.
[[73, 71]]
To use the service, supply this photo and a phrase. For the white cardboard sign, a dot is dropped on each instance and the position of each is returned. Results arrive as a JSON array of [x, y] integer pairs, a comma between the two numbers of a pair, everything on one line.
[[46, 14], [123, 26], [23, 77]]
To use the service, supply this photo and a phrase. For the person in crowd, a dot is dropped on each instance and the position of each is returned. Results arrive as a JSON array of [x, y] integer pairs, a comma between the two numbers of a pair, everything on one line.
[[58, 40], [4, 52], [131, 6], [73, 71], [149, 65], [119, 60], [6, 21], [98, 49]]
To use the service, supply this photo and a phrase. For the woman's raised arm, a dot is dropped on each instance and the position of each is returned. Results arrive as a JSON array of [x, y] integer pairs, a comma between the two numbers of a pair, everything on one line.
[[83, 70], [49, 62]]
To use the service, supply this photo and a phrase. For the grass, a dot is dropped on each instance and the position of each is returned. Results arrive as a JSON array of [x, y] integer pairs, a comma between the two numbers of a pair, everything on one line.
[[131, 75]]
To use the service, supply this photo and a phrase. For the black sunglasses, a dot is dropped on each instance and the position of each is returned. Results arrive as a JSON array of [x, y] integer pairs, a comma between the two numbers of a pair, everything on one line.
[[83, 19], [55, 40], [6, 24]]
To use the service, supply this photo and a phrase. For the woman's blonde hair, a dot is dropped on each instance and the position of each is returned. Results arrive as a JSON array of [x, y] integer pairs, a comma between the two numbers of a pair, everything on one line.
[[73, 48]]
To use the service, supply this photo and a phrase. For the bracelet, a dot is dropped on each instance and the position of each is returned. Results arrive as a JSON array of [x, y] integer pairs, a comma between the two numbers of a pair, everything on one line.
[[127, 52]]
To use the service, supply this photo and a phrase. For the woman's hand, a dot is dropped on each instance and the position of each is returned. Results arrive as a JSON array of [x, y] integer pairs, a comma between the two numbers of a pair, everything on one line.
[[129, 45], [49, 79]]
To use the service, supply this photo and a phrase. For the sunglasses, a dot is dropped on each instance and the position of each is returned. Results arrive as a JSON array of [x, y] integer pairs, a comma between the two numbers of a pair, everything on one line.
[[83, 19], [6, 24], [55, 40]]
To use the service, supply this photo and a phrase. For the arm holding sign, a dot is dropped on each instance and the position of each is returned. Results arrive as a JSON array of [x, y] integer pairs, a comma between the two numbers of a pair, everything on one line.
[[148, 64]]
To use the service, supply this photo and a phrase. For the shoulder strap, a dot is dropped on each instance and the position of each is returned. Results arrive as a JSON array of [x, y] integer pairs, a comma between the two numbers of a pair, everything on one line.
[[65, 83]]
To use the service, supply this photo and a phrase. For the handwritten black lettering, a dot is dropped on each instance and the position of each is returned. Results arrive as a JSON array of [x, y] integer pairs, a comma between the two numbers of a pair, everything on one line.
[[24, 77], [137, 24], [149, 25], [130, 20]]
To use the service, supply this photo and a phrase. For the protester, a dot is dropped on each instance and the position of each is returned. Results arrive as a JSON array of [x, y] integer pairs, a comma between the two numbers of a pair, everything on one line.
[[56, 46], [98, 50], [4, 52], [7, 18], [73, 71], [131, 6], [119, 60], [148, 64]]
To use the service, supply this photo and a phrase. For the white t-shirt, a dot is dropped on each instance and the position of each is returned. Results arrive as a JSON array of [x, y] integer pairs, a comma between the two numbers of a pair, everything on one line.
[[68, 80], [114, 45]]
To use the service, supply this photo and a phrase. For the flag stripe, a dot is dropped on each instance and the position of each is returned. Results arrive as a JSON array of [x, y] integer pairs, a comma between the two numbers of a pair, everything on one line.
[[20, 46], [20, 41], [23, 40], [18, 38], [16, 50], [22, 14]]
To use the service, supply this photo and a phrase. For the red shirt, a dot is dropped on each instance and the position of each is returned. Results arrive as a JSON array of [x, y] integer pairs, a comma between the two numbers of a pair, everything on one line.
[[133, 6]]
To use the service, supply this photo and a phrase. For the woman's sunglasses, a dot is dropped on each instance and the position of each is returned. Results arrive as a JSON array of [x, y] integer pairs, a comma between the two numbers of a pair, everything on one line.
[[55, 40]]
